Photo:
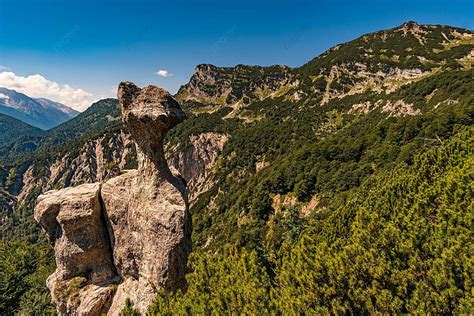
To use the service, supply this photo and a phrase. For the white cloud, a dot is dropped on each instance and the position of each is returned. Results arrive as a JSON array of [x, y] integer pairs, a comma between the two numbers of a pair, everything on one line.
[[2, 68], [38, 86], [164, 73]]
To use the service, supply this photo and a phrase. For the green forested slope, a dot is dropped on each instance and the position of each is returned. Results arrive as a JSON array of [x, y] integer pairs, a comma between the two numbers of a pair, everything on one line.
[[24, 268], [99, 117], [316, 152], [12, 129], [401, 242], [16, 136], [405, 243]]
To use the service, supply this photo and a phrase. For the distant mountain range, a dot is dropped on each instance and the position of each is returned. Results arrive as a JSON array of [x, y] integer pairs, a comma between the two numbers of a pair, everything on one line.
[[38, 112], [20, 139]]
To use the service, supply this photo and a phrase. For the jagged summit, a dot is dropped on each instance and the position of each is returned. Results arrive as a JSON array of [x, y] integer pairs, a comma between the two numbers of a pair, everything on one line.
[[229, 85], [148, 114], [382, 60], [409, 25], [204, 67]]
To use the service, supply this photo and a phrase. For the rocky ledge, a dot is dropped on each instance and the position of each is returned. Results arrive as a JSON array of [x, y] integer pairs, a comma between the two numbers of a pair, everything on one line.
[[130, 236]]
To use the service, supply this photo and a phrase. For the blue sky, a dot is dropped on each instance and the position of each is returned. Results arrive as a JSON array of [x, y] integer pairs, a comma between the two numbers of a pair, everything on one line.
[[93, 45]]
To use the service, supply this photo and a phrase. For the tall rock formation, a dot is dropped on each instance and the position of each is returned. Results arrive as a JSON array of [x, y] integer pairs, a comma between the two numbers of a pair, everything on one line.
[[147, 208], [127, 237]]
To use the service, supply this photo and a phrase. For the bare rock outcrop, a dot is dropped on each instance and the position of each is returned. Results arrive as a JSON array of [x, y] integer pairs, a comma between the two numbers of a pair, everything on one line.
[[147, 208], [196, 160], [127, 237], [98, 160], [72, 219]]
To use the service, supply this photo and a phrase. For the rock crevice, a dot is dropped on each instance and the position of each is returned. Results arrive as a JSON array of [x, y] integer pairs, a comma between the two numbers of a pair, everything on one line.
[[129, 236]]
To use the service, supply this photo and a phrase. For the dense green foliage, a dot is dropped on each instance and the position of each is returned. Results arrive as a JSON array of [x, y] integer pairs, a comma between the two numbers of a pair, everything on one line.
[[24, 268], [230, 283], [399, 243], [12, 129], [405, 247], [334, 157]]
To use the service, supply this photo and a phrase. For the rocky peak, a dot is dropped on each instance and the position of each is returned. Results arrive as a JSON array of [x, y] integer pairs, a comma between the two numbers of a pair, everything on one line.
[[130, 236], [229, 85], [385, 60], [203, 69], [409, 26], [149, 110]]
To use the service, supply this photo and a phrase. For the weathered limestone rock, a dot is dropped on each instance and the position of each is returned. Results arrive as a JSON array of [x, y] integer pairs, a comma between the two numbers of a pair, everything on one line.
[[130, 236], [72, 218], [196, 160], [147, 208]]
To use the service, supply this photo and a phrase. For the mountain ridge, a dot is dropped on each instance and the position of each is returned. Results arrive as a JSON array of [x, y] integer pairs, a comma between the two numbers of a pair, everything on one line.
[[425, 51], [99, 117], [38, 112]]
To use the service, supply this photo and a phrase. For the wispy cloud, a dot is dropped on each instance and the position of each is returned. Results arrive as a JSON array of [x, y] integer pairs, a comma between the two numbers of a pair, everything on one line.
[[38, 86], [164, 73], [4, 68]]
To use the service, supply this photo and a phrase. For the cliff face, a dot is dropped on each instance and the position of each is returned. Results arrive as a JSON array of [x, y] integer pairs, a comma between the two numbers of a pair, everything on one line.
[[85, 277], [97, 160], [105, 157], [196, 161], [129, 236]]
